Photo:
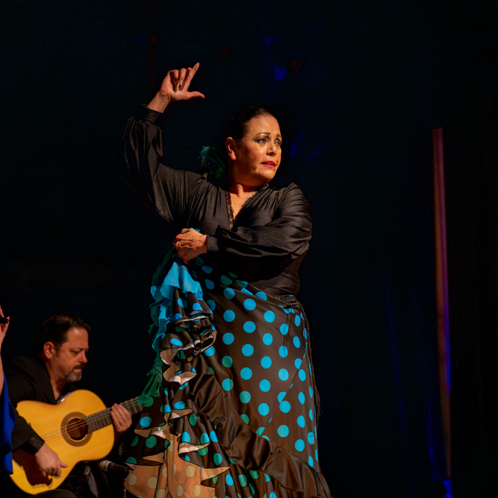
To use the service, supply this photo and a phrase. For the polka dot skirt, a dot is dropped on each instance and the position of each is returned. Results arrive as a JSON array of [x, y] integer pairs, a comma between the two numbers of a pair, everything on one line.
[[229, 409]]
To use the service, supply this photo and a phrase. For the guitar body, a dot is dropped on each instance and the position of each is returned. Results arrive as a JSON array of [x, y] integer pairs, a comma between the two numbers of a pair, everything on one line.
[[60, 426]]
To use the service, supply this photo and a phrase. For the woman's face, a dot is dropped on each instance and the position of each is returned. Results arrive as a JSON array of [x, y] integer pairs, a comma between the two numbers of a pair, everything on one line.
[[256, 158]]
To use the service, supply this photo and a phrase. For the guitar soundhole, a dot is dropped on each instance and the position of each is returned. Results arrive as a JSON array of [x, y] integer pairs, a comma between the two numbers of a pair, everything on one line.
[[76, 429]]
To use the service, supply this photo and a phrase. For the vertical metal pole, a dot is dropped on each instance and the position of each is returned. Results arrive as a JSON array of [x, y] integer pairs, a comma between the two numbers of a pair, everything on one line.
[[443, 326]]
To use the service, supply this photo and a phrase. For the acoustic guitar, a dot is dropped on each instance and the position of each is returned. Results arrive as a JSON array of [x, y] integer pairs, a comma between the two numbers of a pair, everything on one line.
[[78, 429]]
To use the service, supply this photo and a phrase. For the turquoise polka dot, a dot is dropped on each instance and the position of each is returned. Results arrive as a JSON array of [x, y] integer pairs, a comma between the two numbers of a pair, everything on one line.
[[284, 328], [176, 342], [249, 304], [203, 451], [263, 409], [186, 437], [305, 333], [254, 474], [186, 458], [145, 421], [227, 384], [285, 406], [167, 409], [180, 405], [301, 398], [207, 269], [265, 385], [131, 460], [245, 397], [249, 327], [204, 438], [283, 431], [311, 392], [310, 461], [246, 373], [267, 478], [311, 373], [177, 317], [267, 339], [273, 495], [296, 341], [135, 441], [269, 316], [261, 295], [242, 480], [229, 316], [245, 418], [266, 362], [229, 293], [297, 363], [299, 445], [302, 374], [260, 431], [283, 351], [311, 438], [209, 351], [217, 458], [196, 307], [213, 436], [209, 283], [311, 414], [300, 421], [227, 361], [297, 321], [281, 396], [228, 338], [211, 304], [229, 480], [316, 455], [193, 419], [226, 280], [242, 283], [181, 303], [245, 291], [151, 442], [283, 374], [247, 350]]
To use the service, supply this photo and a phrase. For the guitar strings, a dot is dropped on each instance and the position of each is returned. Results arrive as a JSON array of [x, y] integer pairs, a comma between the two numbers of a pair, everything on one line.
[[56, 434]]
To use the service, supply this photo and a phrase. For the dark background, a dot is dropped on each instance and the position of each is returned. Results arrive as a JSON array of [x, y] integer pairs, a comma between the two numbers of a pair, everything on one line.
[[359, 85]]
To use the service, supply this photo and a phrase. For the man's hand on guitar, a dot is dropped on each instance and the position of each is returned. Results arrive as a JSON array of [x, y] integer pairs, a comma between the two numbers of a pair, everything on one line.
[[121, 419], [48, 462]]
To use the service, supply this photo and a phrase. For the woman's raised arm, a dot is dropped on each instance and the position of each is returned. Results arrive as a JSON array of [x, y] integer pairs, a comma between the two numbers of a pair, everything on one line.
[[166, 190]]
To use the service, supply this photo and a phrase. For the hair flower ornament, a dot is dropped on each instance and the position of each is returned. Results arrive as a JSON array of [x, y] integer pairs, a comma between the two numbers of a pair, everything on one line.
[[211, 162]]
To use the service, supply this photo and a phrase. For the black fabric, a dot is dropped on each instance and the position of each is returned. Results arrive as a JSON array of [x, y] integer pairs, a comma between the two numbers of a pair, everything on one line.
[[272, 229]]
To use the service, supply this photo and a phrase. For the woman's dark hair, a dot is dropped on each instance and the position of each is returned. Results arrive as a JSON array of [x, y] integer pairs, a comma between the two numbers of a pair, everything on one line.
[[54, 328], [236, 125]]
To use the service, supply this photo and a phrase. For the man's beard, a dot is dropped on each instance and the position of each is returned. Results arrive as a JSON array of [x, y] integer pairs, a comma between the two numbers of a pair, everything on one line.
[[75, 376]]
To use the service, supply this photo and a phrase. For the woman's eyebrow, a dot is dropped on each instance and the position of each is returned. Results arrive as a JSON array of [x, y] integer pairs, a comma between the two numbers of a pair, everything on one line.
[[268, 133]]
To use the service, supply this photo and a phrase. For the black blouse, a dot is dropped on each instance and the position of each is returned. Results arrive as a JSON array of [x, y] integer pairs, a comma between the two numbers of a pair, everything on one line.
[[269, 237]]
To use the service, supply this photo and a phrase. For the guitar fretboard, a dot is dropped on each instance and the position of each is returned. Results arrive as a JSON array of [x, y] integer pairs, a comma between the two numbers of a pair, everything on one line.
[[102, 419]]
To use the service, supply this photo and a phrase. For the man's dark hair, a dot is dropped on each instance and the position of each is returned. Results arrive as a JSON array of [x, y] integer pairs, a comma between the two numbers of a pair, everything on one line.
[[54, 328], [235, 126]]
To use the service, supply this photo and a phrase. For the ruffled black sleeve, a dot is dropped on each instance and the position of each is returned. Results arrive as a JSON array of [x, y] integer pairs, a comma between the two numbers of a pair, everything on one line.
[[164, 189]]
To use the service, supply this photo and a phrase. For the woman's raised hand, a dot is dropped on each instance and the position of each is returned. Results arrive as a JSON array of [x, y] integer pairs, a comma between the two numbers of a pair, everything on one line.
[[174, 88], [190, 243]]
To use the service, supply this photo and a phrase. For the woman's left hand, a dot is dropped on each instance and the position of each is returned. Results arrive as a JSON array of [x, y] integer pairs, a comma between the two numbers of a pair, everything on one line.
[[190, 243]]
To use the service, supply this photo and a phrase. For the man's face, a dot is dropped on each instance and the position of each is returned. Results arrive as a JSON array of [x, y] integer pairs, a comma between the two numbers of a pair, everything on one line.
[[68, 361]]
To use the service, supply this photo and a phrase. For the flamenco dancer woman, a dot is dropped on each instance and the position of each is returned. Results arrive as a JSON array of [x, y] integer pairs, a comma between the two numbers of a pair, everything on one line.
[[229, 407]]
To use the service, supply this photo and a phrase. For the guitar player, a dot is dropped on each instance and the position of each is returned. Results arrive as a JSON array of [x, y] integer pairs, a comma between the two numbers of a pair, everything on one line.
[[62, 347]]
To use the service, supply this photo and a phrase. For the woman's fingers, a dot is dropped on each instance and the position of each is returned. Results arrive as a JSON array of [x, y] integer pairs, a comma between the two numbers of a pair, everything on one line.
[[181, 78]]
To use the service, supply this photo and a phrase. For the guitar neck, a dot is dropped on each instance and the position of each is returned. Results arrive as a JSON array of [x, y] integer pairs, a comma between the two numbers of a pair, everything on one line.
[[102, 419]]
